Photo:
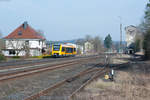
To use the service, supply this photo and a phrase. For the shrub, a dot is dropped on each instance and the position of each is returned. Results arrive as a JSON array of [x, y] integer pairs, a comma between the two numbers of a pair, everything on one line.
[[16, 57], [47, 56], [39, 57], [146, 44], [35, 56], [2, 57]]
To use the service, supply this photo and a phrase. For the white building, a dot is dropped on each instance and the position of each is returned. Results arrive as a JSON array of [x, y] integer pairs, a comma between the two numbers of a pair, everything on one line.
[[24, 41], [88, 47], [131, 32], [80, 49]]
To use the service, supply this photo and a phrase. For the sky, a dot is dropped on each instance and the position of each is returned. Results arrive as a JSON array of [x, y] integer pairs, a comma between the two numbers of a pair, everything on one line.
[[72, 19]]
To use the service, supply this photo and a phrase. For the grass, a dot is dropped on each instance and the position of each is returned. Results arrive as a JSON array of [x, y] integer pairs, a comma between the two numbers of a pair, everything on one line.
[[131, 83], [120, 90]]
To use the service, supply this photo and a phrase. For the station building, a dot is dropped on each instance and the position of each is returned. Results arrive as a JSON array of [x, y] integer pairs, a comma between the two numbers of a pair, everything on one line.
[[24, 41]]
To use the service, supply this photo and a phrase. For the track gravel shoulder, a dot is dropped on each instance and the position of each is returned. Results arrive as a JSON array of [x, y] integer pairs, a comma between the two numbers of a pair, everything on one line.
[[18, 89]]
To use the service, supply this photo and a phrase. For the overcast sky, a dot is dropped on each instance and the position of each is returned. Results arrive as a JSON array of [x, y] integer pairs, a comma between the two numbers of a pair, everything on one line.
[[71, 19]]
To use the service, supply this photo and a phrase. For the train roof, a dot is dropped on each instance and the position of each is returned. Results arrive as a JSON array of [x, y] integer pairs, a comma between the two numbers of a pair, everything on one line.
[[73, 46], [67, 45]]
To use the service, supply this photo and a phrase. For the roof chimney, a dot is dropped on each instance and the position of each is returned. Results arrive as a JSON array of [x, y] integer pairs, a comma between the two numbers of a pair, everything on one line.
[[25, 24]]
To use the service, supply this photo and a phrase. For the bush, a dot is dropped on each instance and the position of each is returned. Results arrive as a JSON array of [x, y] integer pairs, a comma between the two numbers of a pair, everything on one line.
[[16, 57], [39, 57], [146, 44], [47, 56], [35, 56], [2, 57]]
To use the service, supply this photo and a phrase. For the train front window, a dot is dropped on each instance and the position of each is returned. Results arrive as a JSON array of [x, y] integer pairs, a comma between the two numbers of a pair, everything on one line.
[[63, 49], [56, 47], [74, 49]]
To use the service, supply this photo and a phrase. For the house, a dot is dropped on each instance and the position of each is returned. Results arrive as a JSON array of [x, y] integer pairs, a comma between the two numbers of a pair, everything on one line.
[[88, 47], [80, 49], [132, 32], [24, 41]]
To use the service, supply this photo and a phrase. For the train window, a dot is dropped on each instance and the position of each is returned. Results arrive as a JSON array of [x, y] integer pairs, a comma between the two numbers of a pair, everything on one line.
[[56, 47], [74, 49], [67, 50], [63, 49], [71, 50]]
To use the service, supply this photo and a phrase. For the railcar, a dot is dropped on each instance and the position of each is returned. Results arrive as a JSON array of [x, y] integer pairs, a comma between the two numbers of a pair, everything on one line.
[[63, 50]]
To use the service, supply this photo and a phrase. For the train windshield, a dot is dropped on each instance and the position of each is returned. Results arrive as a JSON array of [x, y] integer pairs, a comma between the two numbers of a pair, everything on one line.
[[56, 47]]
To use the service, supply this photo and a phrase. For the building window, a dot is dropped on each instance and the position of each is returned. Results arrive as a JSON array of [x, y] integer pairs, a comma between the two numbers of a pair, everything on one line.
[[39, 42], [20, 33], [27, 42], [43, 50], [12, 52]]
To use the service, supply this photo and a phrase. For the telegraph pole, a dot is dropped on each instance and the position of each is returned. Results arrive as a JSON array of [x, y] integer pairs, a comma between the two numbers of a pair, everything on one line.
[[120, 35]]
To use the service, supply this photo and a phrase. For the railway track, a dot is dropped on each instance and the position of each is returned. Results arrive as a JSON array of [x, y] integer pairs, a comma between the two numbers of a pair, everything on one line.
[[8, 74], [15, 63], [36, 63], [94, 77], [60, 82], [27, 86], [65, 88], [68, 88], [61, 90]]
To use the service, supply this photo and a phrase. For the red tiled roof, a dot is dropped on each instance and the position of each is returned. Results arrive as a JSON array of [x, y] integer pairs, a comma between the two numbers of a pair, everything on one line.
[[27, 33]]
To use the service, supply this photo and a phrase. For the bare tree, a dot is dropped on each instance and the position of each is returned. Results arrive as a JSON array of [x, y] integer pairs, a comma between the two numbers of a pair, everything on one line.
[[1, 42], [1, 34], [98, 47], [138, 42], [88, 38], [80, 42]]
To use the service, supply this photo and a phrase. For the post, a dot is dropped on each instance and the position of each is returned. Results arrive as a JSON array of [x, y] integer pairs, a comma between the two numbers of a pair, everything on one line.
[[120, 35]]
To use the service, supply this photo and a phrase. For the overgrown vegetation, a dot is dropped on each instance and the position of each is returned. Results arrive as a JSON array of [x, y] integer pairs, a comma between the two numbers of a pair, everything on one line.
[[146, 44], [131, 83], [145, 27], [16, 57], [2, 57], [137, 45], [47, 56]]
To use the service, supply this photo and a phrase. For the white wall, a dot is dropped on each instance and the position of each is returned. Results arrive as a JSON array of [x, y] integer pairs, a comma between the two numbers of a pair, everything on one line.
[[88, 47], [130, 34], [81, 48], [35, 46]]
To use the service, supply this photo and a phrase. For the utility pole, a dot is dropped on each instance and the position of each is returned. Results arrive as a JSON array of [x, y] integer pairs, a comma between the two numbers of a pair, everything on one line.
[[120, 35]]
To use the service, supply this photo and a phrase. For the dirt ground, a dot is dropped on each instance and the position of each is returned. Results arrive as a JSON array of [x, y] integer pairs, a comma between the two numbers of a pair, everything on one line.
[[131, 83]]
